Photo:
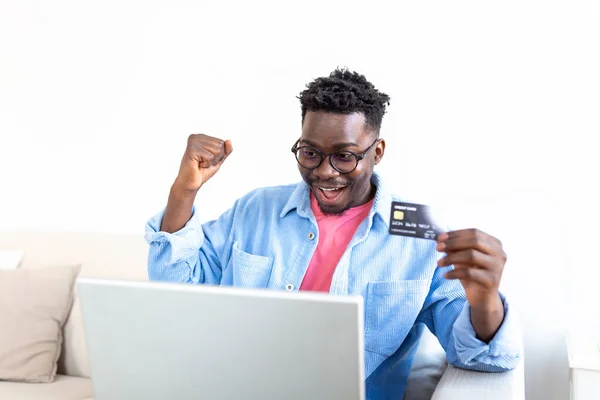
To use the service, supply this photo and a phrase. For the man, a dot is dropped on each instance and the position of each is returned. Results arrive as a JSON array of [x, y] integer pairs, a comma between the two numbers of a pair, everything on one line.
[[330, 233]]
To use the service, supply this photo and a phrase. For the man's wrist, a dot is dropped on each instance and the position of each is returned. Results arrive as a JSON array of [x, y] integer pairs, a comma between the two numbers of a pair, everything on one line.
[[486, 317], [180, 193], [492, 304]]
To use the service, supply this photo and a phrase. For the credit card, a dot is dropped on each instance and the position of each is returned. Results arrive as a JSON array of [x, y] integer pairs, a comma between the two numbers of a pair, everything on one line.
[[414, 220]]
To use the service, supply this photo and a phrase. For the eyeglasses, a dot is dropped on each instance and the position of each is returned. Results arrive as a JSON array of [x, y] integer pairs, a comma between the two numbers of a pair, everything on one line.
[[342, 161]]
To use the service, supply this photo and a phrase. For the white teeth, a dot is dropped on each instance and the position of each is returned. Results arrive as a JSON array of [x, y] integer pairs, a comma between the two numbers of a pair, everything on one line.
[[329, 189]]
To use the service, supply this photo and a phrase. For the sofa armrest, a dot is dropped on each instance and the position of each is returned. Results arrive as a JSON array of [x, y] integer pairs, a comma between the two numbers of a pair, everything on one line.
[[462, 384]]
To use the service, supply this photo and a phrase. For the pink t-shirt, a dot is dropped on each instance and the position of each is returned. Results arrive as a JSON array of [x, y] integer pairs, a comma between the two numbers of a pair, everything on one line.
[[335, 232]]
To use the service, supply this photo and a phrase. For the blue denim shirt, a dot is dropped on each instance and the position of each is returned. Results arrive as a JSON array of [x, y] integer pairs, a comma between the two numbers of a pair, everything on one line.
[[267, 239]]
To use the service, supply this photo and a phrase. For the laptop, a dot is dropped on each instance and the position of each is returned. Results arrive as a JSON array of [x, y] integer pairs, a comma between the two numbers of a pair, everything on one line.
[[152, 340]]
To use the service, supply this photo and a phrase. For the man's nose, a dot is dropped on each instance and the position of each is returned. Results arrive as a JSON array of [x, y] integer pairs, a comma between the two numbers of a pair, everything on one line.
[[326, 171]]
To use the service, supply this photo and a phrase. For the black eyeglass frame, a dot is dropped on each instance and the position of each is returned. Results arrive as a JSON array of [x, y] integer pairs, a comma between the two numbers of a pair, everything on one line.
[[358, 156]]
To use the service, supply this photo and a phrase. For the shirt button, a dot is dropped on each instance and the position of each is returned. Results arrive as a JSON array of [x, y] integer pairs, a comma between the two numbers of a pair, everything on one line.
[[289, 287], [311, 236]]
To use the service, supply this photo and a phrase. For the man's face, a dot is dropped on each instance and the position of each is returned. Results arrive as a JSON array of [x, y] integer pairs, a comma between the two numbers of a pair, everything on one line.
[[328, 132]]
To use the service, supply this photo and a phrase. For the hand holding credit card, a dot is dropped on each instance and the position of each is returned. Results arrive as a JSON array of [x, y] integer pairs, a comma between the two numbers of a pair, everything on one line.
[[477, 258]]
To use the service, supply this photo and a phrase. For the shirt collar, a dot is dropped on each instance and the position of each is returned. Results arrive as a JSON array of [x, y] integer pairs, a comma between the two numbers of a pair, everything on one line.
[[300, 200]]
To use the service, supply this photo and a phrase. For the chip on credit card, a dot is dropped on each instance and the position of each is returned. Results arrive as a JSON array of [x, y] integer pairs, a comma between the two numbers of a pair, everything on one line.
[[414, 220]]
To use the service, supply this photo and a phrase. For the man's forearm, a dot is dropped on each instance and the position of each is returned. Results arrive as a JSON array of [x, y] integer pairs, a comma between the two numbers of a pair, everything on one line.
[[178, 211], [486, 319]]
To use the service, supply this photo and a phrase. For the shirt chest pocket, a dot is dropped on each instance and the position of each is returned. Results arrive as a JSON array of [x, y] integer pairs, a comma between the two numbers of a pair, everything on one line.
[[249, 270], [391, 308]]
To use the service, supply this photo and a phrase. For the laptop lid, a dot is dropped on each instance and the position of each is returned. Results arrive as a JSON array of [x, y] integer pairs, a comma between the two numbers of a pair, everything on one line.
[[151, 340]]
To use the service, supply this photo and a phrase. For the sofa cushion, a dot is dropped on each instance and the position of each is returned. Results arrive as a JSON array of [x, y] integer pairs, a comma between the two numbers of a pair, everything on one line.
[[101, 255], [64, 387], [34, 305]]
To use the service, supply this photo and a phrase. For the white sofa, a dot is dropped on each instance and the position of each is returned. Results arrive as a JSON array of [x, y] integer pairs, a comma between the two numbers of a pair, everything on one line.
[[124, 257]]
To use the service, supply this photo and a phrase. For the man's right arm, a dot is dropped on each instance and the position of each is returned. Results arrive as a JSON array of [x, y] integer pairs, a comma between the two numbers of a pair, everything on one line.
[[182, 250], [202, 158], [178, 211], [197, 253]]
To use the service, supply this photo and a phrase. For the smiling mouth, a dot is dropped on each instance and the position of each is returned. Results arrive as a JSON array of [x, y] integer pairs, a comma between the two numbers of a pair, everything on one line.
[[330, 194]]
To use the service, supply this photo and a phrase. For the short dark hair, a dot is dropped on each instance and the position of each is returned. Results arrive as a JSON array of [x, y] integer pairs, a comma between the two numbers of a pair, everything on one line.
[[345, 92]]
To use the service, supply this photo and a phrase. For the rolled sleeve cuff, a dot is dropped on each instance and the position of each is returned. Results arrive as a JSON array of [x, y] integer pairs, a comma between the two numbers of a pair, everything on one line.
[[502, 351], [182, 244]]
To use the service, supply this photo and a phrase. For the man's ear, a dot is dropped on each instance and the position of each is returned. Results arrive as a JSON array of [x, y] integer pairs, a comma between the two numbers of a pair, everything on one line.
[[379, 150]]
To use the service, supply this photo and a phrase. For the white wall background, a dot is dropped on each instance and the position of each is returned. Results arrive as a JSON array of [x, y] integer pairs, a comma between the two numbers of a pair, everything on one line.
[[494, 115]]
